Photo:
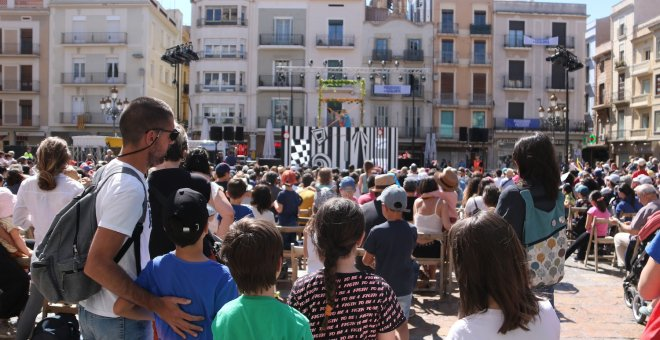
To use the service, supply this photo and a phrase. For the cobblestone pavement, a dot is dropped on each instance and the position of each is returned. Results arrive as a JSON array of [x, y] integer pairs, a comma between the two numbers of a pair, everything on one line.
[[590, 306]]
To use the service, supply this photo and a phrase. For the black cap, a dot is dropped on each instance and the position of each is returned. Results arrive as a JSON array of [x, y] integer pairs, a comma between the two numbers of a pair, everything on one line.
[[185, 216]]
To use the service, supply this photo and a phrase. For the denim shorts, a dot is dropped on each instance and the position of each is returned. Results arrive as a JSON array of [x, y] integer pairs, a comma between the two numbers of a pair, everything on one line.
[[405, 302], [96, 327]]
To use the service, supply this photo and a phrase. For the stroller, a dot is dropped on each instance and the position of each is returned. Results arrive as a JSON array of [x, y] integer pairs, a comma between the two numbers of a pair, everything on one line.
[[641, 309]]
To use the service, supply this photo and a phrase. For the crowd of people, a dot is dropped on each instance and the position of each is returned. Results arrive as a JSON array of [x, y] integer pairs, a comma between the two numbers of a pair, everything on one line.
[[183, 284]]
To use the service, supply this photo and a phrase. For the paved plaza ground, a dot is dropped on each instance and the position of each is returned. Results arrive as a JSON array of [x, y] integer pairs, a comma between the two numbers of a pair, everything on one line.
[[590, 306]]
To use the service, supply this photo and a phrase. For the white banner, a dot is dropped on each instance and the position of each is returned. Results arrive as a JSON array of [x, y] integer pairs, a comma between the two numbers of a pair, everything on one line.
[[554, 41], [392, 89]]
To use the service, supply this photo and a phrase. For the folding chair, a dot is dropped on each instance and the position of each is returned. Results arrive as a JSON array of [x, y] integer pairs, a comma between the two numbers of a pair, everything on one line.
[[593, 239]]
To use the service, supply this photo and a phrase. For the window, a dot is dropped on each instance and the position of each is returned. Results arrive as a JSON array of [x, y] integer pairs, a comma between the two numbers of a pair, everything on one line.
[[657, 47], [409, 121], [336, 65], [622, 86], [646, 86], [447, 21], [221, 14], [657, 84], [516, 110], [479, 51], [622, 53], [516, 72], [601, 66], [112, 69], [447, 124], [280, 111], [559, 30], [601, 94], [447, 88], [335, 32], [226, 114], [644, 121], [25, 107], [479, 89], [558, 78], [516, 33], [381, 49], [620, 124], [212, 81], [228, 82], [211, 111], [479, 119], [1, 109], [480, 17], [647, 55], [448, 51], [656, 118], [622, 29], [283, 31], [381, 118]]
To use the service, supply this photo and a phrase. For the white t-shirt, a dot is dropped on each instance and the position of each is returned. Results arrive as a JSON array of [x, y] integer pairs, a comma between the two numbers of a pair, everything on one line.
[[38, 207], [474, 203], [119, 208], [267, 215], [486, 325]]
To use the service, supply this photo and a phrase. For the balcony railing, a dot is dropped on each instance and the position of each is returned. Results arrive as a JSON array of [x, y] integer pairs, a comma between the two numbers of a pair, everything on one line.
[[96, 118], [620, 65], [381, 54], [447, 99], [641, 68], [93, 78], [479, 29], [222, 55], [641, 100], [417, 91], [94, 37], [524, 83], [568, 42], [480, 59], [448, 28], [222, 22], [278, 123], [620, 96], [639, 133], [19, 49], [346, 40], [559, 84], [282, 39], [447, 132], [481, 99], [281, 81], [536, 124], [514, 41], [418, 131], [448, 57], [19, 86], [219, 88], [413, 55], [198, 120]]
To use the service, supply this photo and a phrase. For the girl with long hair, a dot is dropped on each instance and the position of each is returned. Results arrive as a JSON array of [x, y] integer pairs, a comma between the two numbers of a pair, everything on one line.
[[329, 298], [496, 301], [471, 189], [40, 198], [598, 210], [261, 203], [430, 216], [628, 202]]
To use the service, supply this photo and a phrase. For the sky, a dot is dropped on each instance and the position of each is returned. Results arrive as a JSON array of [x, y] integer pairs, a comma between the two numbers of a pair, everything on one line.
[[595, 8]]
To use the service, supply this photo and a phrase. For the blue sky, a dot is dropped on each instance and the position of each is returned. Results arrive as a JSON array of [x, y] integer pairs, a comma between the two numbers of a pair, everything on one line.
[[595, 8]]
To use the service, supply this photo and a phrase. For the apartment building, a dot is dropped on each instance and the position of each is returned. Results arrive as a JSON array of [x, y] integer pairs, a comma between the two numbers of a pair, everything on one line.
[[24, 58], [603, 65], [102, 46], [525, 80], [463, 80]]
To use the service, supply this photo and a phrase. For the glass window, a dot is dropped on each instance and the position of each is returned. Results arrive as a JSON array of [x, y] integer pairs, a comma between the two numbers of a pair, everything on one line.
[[620, 124], [381, 44], [335, 32], [213, 14], [479, 119], [646, 86], [211, 80], [227, 112], [447, 124], [336, 66], [448, 51], [516, 110], [479, 52], [447, 21], [644, 121], [657, 121], [516, 33], [657, 84], [479, 17], [280, 111], [381, 118]]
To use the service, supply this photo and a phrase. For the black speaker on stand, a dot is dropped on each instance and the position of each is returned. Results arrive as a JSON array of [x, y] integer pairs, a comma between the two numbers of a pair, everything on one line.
[[228, 133], [239, 136], [215, 133], [463, 134]]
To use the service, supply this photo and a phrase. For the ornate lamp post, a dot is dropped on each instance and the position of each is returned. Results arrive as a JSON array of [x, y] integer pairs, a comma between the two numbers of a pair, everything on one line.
[[113, 107], [555, 113]]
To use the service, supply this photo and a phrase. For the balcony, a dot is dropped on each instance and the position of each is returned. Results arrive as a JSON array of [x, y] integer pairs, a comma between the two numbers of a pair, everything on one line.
[[281, 39], [448, 28], [515, 41], [278, 123], [198, 120], [222, 55], [620, 65], [270, 80], [446, 99], [413, 55], [481, 100], [642, 100], [223, 22], [448, 58], [639, 133], [417, 91], [641, 69], [324, 40], [480, 59], [77, 38], [199, 88], [447, 133], [479, 29], [524, 83], [602, 101], [381, 54], [535, 124], [559, 84], [93, 118], [418, 132], [19, 49], [16, 86], [98, 78], [621, 97]]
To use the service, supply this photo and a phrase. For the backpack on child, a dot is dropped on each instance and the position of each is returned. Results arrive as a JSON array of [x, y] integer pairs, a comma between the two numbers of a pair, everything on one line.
[[544, 238], [59, 261]]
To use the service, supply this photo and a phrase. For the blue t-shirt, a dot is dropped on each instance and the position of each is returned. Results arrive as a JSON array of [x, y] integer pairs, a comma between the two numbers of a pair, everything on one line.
[[625, 207], [290, 200], [240, 211], [653, 249], [208, 285], [392, 243]]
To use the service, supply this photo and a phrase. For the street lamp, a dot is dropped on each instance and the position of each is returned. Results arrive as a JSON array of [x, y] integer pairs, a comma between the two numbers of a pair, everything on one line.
[[554, 112], [113, 107]]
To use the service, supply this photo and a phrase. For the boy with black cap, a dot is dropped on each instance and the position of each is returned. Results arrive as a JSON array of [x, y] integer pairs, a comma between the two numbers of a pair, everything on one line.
[[389, 247], [186, 272]]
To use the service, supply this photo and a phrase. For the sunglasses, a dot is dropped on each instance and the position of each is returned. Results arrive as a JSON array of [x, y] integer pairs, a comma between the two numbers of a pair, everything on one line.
[[174, 134]]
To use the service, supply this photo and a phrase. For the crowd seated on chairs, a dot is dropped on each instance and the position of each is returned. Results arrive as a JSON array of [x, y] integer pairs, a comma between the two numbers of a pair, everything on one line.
[[606, 205]]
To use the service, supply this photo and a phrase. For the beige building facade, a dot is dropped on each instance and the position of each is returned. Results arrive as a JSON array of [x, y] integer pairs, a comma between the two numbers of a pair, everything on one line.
[[101, 47], [24, 58]]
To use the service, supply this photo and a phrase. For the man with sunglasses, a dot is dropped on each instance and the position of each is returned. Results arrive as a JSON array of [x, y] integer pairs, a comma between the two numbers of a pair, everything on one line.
[[147, 128]]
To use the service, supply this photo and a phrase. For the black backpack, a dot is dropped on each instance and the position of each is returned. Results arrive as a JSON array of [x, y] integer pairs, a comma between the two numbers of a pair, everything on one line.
[[59, 261], [61, 326]]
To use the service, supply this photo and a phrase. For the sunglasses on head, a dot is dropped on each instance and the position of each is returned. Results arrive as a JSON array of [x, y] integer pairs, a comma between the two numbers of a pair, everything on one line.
[[174, 134]]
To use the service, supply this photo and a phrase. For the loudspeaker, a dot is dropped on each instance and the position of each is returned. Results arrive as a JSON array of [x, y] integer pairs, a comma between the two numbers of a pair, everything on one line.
[[270, 161], [216, 133], [479, 135], [239, 133], [228, 132], [463, 134]]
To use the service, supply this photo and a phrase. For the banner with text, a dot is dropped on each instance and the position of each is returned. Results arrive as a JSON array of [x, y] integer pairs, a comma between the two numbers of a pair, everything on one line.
[[554, 41], [392, 89]]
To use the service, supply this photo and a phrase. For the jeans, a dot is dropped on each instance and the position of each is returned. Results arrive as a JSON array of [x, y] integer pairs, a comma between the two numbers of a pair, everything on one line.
[[547, 292], [405, 302], [29, 314], [96, 327]]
